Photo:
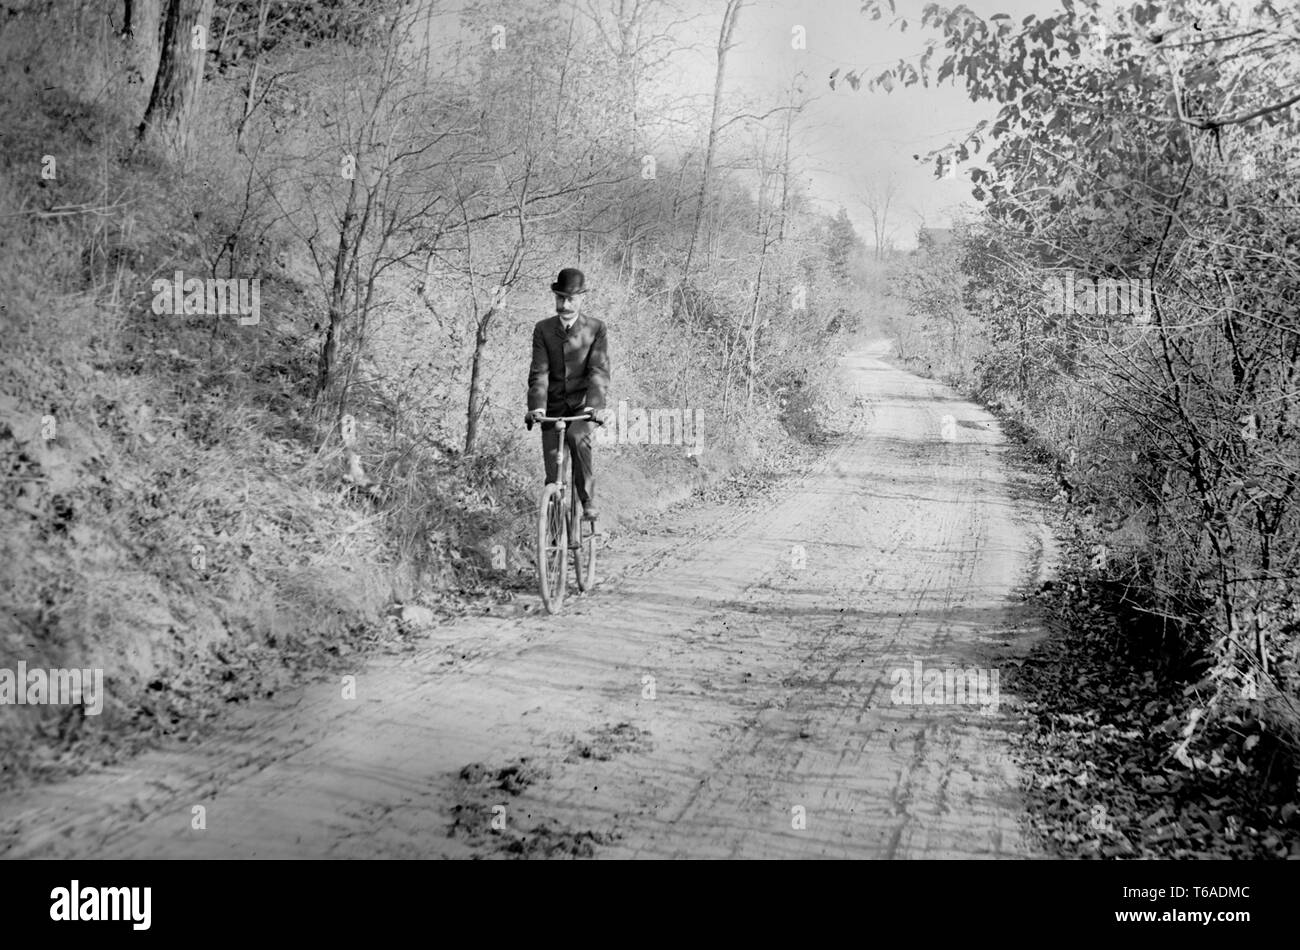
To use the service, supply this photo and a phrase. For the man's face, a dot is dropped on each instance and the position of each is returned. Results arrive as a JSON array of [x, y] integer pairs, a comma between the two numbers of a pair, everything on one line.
[[567, 306]]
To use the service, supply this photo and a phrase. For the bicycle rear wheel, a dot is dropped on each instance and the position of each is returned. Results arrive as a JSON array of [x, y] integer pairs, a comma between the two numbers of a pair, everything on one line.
[[552, 548], [584, 555]]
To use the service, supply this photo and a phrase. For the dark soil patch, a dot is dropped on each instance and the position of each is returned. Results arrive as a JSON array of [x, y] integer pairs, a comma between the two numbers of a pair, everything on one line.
[[608, 741]]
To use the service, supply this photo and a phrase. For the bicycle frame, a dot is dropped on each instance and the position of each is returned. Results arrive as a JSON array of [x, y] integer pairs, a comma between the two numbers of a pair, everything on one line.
[[560, 526], [567, 493], [566, 469]]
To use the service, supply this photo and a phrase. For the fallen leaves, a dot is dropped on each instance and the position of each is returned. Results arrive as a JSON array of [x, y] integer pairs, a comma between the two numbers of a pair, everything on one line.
[[1122, 761]]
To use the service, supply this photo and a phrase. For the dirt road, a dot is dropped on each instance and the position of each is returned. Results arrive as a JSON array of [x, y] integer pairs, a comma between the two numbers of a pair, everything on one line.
[[725, 693]]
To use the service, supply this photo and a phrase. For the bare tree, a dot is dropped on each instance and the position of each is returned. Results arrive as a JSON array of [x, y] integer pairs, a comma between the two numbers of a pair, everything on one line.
[[249, 102], [729, 17], [640, 36], [878, 197]]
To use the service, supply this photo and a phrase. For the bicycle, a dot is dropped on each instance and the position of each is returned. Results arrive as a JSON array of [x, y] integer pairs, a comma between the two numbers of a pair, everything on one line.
[[561, 529]]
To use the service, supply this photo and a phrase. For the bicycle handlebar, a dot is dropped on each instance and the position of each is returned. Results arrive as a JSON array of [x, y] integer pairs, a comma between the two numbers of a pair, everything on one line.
[[587, 417]]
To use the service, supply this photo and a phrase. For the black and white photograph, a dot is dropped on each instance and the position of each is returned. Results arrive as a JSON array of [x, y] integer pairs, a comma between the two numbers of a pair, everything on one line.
[[641, 430]]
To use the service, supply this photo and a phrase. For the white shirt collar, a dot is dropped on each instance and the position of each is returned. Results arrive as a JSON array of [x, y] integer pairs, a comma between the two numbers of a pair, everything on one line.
[[568, 324]]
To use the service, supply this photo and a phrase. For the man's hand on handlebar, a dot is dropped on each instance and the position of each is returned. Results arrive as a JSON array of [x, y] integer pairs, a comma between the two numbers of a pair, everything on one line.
[[599, 416]]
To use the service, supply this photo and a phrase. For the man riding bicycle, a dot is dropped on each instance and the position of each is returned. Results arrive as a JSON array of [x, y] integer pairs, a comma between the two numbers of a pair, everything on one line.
[[568, 377]]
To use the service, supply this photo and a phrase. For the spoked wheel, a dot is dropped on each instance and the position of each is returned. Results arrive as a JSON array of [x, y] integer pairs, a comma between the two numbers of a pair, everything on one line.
[[584, 555], [552, 548]]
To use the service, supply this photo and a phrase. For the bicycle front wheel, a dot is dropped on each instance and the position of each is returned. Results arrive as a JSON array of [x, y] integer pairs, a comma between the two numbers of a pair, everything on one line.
[[584, 555], [552, 548]]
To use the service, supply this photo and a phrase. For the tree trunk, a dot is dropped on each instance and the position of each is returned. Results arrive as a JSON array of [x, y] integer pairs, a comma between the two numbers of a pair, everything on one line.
[[476, 383], [328, 350], [785, 163], [1022, 371], [752, 367], [729, 17], [338, 293], [179, 81], [142, 25], [252, 80]]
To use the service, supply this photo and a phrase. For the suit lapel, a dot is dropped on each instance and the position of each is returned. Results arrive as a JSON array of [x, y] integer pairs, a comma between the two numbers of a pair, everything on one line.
[[574, 335]]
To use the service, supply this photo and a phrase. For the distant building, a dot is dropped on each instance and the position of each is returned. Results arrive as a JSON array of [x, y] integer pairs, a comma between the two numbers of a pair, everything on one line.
[[933, 238]]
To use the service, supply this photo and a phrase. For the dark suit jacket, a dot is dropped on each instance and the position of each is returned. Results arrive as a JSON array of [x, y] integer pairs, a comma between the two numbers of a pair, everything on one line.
[[568, 372]]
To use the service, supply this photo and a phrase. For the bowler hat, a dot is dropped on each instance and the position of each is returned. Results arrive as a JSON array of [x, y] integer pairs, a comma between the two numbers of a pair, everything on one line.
[[570, 282]]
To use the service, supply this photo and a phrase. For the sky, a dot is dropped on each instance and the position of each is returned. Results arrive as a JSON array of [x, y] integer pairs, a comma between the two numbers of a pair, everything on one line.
[[845, 141], [848, 140]]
